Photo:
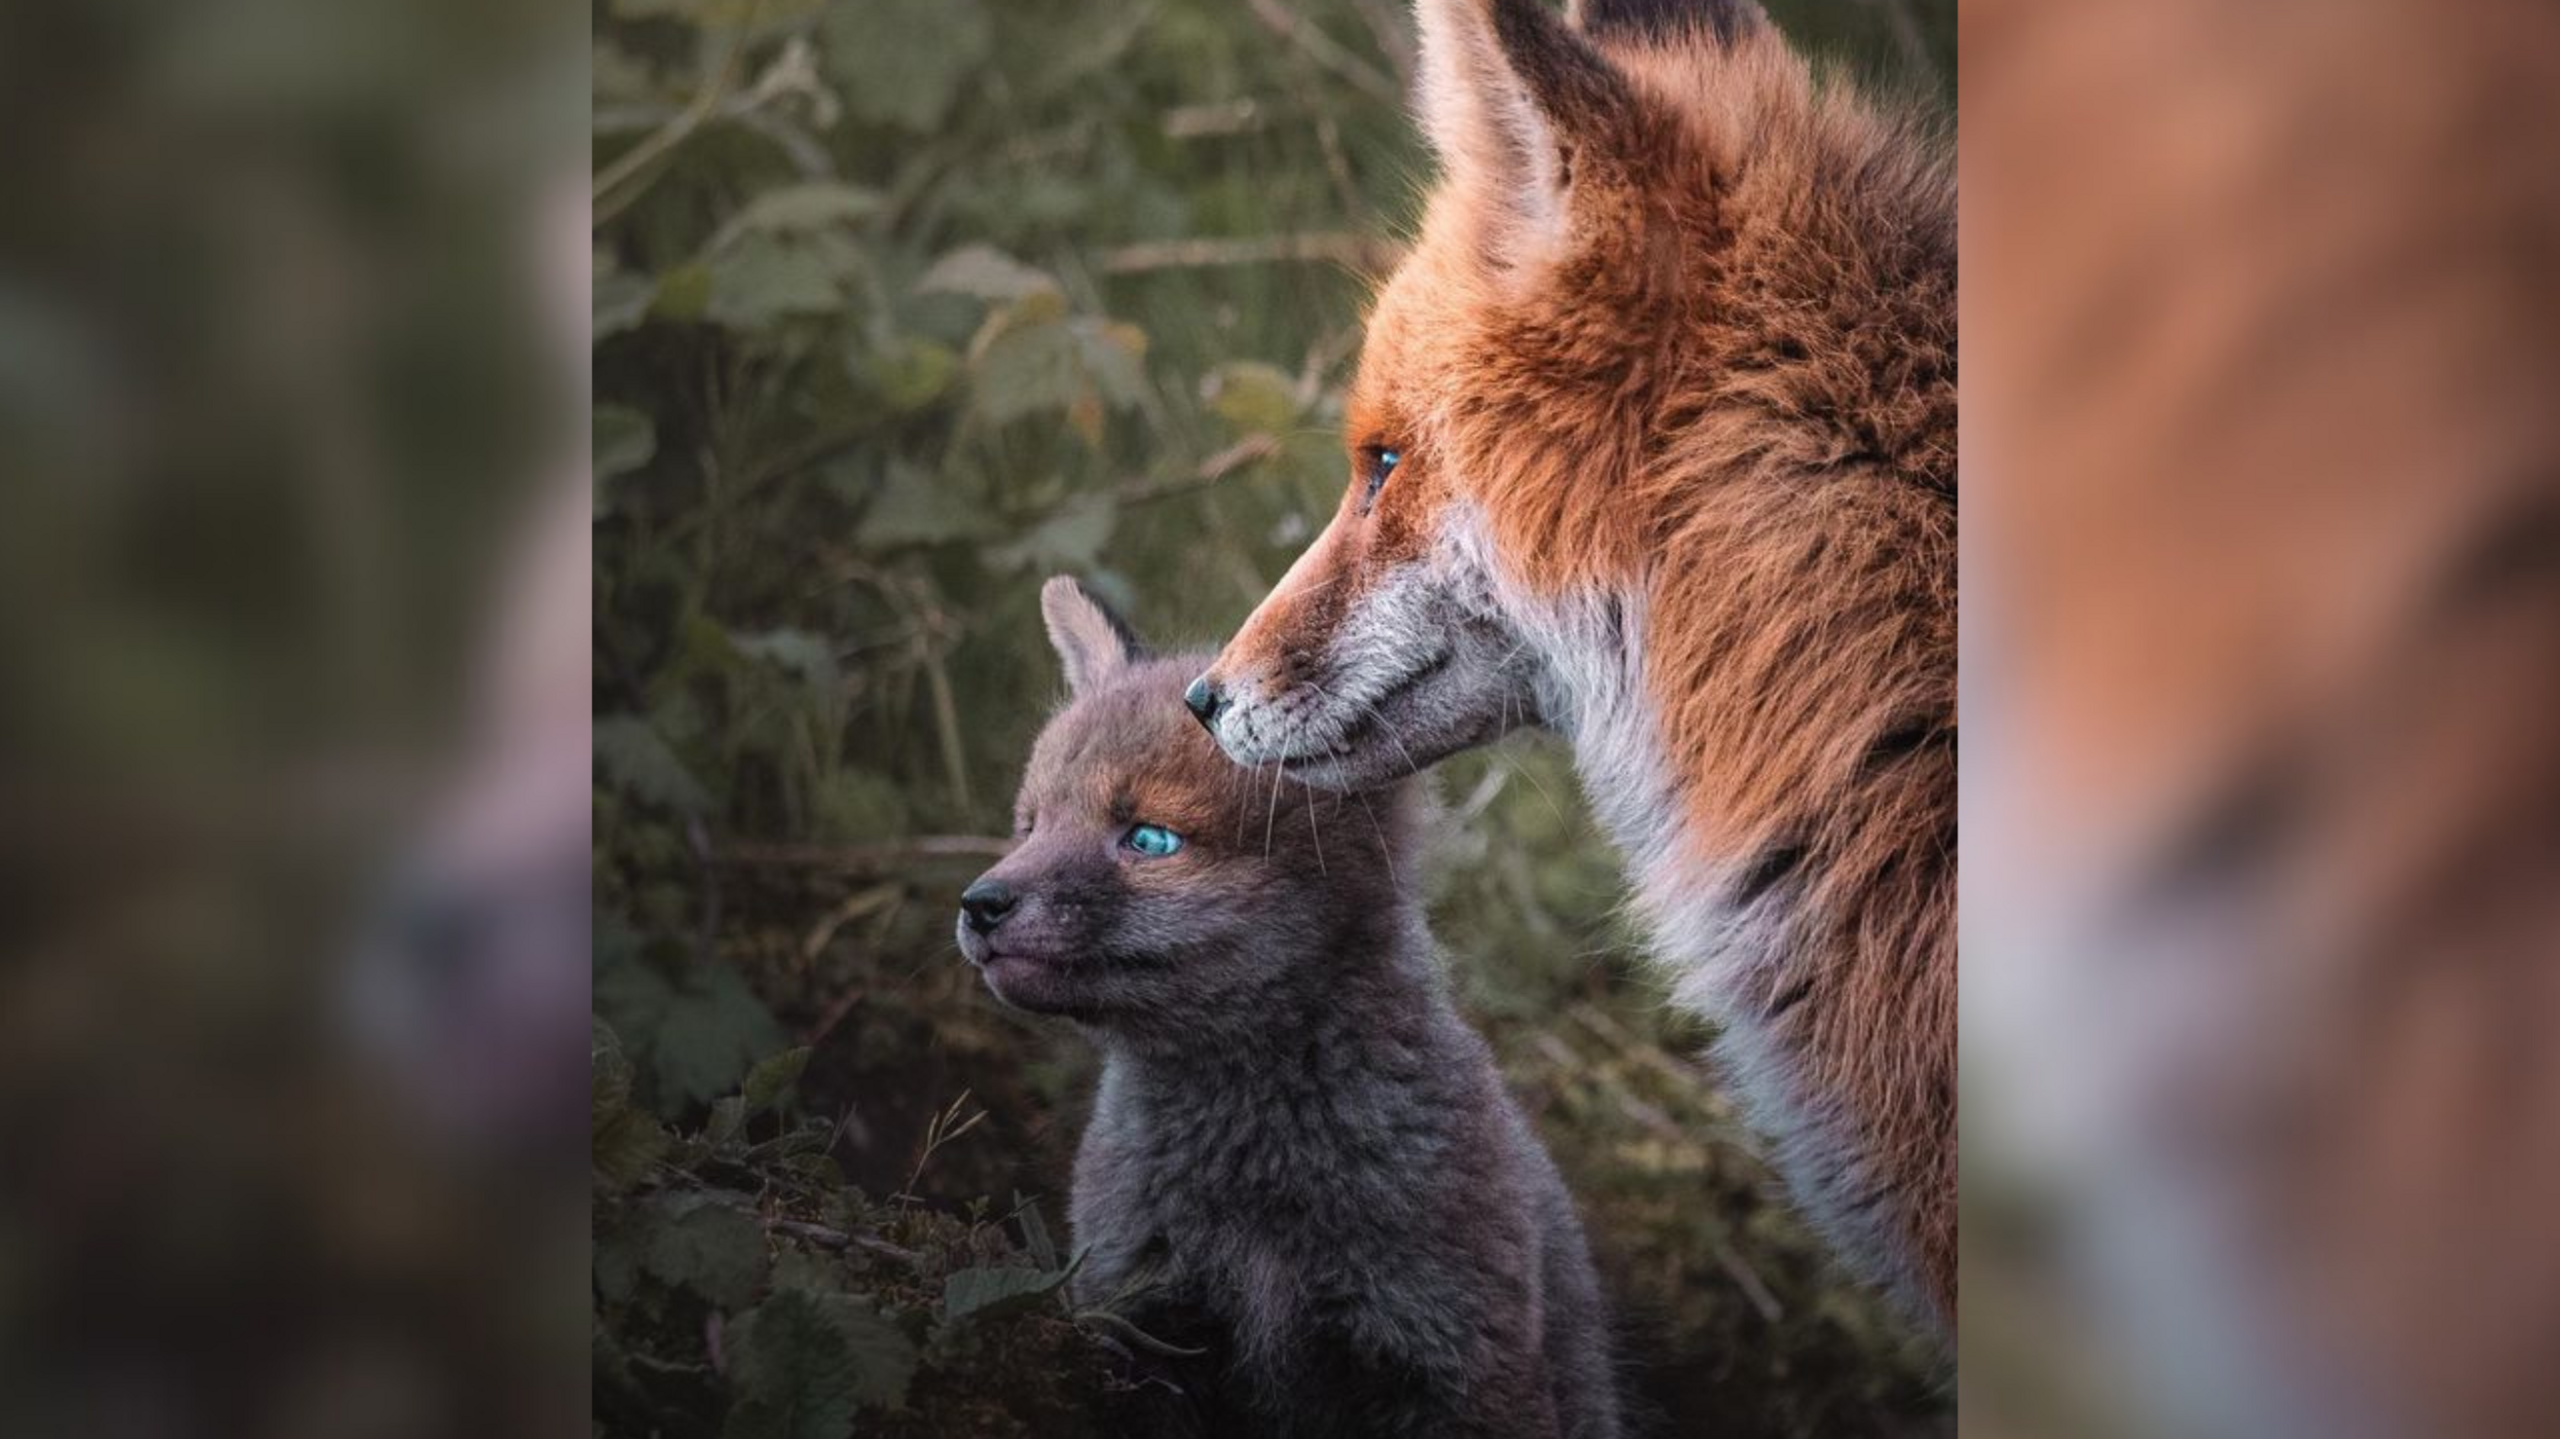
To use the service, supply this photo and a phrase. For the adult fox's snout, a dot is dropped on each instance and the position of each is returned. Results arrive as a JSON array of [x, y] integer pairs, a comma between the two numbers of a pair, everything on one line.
[[1365, 664]]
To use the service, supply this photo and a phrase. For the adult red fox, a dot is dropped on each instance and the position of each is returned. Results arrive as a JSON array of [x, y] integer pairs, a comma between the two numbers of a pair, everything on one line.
[[1653, 444]]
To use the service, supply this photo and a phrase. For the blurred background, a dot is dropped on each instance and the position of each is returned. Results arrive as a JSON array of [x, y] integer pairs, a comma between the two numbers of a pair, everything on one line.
[[291, 372], [2262, 780], [895, 308], [902, 307]]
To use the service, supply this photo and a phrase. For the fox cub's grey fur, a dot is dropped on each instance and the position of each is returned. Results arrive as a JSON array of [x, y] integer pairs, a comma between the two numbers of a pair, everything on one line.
[[1299, 1150]]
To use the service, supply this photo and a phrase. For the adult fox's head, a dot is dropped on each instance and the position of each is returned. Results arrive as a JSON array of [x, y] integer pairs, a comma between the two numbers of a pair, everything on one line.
[[1622, 305]]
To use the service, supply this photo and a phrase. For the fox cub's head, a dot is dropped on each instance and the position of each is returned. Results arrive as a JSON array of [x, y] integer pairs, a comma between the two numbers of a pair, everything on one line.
[[1666, 288], [1154, 883]]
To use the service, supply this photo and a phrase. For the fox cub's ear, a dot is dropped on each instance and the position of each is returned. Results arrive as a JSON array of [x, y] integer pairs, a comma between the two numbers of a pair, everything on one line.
[[1092, 642]]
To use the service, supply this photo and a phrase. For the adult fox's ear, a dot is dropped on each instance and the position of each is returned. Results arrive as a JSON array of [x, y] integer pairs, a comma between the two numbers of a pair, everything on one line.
[[1523, 112], [1092, 642], [1666, 22]]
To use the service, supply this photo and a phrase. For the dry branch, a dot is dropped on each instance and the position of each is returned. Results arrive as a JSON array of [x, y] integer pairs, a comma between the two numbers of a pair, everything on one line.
[[1326, 52], [1367, 254], [861, 859]]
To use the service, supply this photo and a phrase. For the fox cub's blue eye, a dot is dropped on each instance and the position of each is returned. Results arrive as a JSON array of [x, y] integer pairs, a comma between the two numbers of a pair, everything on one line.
[[1153, 840]]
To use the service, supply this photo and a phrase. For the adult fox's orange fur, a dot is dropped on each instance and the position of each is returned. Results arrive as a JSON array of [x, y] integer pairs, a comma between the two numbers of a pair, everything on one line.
[[1653, 443]]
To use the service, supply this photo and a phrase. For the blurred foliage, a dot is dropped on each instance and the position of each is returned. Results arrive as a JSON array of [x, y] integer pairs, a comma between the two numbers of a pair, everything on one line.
[[276, 395], [900, 307]]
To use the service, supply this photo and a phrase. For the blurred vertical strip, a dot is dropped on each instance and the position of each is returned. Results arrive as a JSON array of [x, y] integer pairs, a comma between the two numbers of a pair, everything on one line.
[[2262, 669], [292, 668]]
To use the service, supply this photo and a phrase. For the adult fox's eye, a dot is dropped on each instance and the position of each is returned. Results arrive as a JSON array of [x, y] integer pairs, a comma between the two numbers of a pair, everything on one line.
[[1381, 463], [1152, 840]]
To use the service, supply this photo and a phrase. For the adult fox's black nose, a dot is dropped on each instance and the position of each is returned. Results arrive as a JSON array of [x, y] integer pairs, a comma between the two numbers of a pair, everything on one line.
[[1205, 700], [986, 903]]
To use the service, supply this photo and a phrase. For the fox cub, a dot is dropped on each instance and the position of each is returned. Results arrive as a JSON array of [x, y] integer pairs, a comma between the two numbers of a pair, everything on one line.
[[1299, 1152]]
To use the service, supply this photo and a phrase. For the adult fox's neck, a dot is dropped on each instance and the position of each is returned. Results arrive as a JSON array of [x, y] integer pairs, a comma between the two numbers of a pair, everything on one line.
[[1762, 696], [1779, 769]]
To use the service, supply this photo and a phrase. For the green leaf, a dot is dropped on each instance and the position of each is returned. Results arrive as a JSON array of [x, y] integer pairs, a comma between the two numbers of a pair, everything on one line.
[[622, 1141], [636, 761], [797, 652], [909, 373], [1070, 539], [608, 1069], [683, 292], [625, 440], [718, 1029], [622, 299], [803, 1362], [792, 209], [1112, 352], [1027, 370], [772, 1078], [622, 1145], [856, 804], [986, 272], [991, 1293], [1252, 397], [728, 1121], [914, 506], [700, 1243], [695, 1034], [1030, 360], [761, 279], [615, 1260], [807, 1269], [1035, 1233], [903, 61]]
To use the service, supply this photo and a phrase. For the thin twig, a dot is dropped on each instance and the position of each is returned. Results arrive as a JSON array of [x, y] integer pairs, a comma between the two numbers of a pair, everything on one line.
[[940, 1130], [1651, 1056], [1753, 1286], [1337, 165], [1367, 254], [1395, 38], [862, 904], [1249, 450], [826, 1238], [1133, 1336], [1323, 49], [860, 859], [698, 843], [630, 163], [946, 722], [1234, 117]]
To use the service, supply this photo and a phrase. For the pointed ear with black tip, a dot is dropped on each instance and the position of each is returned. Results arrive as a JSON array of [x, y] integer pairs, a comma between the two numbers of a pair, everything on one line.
[[1093, 644], [1521, 110]]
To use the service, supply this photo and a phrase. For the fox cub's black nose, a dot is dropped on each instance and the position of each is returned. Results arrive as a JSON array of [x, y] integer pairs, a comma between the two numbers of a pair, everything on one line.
[[1205, 700], [986, 903]]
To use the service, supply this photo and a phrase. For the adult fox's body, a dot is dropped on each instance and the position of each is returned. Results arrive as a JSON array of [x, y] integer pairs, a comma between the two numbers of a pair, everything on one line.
[[1653, 443]]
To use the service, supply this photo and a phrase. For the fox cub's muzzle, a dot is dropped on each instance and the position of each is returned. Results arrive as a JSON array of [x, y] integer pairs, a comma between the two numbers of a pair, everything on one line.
[[984, 904]]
